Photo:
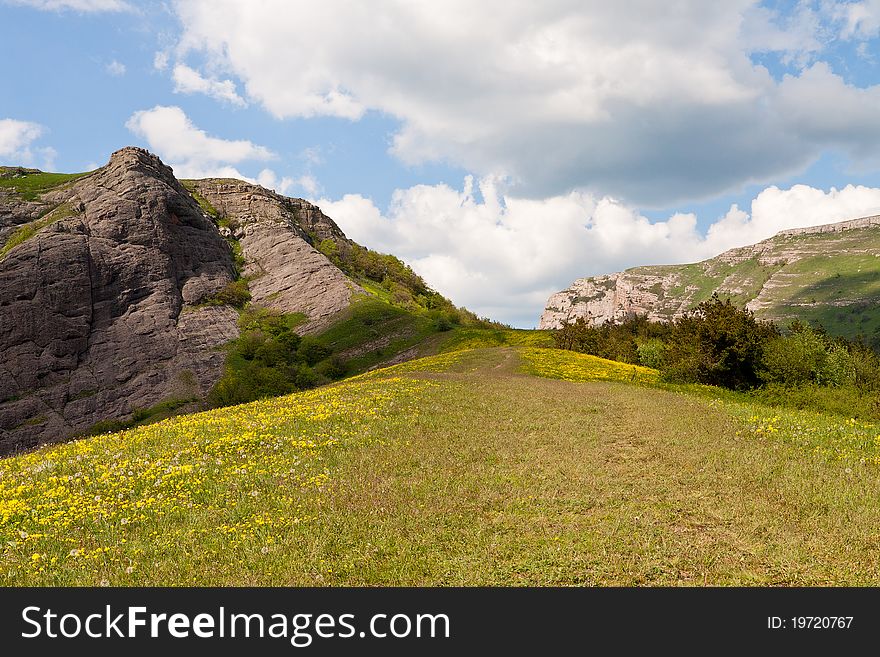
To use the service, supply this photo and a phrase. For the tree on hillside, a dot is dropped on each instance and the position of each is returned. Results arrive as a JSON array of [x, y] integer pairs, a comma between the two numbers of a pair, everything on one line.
[[718, 344]]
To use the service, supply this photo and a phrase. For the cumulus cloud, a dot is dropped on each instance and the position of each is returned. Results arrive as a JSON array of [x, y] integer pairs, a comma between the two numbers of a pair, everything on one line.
[[189, 81], [85, 6], [160, 60], [16, 143], [861, 19], [190, 150], [558, 95], [192, 153], [116, 69], [503, 256]]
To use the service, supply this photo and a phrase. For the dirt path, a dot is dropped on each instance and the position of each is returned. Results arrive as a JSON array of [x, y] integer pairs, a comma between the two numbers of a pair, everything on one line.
[[513, 479]]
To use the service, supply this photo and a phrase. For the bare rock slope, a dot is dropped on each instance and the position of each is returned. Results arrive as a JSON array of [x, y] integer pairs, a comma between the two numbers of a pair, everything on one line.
[[829, 274], [285, 270], [103, 281]]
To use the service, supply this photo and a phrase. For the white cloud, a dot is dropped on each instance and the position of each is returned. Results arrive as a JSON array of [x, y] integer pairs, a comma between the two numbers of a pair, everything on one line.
[[16, 144], [189, 81], [309, 184], [861, 19], [85, 6], [190, 150], [557, 95], [160, 60], [16, 136], [270, 180], [503, 256], [116, 69], [192, 153]]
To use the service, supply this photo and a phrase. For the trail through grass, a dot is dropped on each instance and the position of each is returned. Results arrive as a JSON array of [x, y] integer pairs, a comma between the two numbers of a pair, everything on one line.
[[459, 469]]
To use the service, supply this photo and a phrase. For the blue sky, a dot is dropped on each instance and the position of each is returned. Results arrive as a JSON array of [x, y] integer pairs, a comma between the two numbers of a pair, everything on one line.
[[501, 148]]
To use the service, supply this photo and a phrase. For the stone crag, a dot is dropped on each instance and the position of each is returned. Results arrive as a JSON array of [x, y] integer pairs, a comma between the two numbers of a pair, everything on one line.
[[275, 232], [102, 308], [829, 274]]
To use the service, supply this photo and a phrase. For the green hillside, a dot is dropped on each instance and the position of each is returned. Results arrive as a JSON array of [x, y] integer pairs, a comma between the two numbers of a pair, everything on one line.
[[827, 275], [506, 465]]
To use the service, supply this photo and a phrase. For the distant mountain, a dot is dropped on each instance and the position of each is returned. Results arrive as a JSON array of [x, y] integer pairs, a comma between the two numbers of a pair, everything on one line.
[[828, 274], [121, 288]]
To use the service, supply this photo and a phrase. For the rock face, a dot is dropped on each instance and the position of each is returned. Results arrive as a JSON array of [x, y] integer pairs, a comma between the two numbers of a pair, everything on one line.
[[101, 309], [96, 309], [828, 273], [285, 271]]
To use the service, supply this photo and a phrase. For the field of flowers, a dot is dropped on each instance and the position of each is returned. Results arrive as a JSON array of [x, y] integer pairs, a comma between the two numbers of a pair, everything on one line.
[[204, 493], [572, 366], [830, 437], [480, 338], [826, 436], [282, 490]]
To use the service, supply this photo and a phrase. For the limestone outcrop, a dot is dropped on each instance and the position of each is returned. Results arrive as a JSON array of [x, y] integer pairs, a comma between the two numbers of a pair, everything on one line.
[[103, 297], [825, 273]]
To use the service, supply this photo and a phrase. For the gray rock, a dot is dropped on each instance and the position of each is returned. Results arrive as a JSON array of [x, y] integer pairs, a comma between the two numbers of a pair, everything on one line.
[[100, 310], [286, 272], [97, 313]]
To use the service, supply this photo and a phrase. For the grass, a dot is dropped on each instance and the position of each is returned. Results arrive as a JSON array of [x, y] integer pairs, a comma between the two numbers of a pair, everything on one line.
[[140, 416], [27, 231], [477, 338], [559, 364], [459, 469], [373, 331], [31, 185]]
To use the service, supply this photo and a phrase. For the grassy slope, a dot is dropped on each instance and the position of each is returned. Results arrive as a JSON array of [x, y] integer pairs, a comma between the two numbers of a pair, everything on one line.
[[32, 185], [458, 469], [837, 283]]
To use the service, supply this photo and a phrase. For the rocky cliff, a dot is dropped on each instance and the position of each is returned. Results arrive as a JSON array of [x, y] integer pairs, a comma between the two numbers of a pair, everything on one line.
[[828, 274], [104, 279], [276, 235]]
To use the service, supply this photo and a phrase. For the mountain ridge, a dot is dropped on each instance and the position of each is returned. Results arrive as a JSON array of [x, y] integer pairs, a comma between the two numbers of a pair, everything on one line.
[[828, 274]]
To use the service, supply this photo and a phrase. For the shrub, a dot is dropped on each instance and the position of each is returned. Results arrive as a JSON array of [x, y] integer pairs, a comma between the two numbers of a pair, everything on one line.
[[718, 344], [838, 369], [865, 368], [311, 351], [442, 323], [269, 358], [235, 294], [332, 368], [794, 359], [651, 353], [251, 382]]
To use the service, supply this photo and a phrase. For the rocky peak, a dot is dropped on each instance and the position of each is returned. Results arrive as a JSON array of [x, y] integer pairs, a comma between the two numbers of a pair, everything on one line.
[[244, 203], [99, 306], [278, 236], [102, 302]]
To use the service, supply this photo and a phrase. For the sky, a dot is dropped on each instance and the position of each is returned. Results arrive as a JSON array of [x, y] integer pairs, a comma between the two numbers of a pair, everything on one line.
[[502, 148]]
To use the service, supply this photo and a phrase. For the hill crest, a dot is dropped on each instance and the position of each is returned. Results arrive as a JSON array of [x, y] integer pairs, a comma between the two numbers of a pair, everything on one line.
[[828, 274]]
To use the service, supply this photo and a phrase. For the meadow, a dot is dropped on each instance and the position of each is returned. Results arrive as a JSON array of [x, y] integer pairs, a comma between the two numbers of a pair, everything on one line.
[[512, 465]]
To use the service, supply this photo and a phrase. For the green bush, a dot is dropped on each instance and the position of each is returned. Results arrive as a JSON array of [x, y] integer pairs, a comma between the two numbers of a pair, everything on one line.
[[794, 359], [865, 368], [651, 353], [268, 359], [718, 344], [838, 369], [235, 294], [312, 351], [443, 323], [250, 382], [333, 368]]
